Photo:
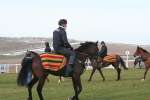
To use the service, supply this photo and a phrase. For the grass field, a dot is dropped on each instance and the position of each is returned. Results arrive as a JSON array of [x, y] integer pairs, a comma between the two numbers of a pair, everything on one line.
[[129, 88]]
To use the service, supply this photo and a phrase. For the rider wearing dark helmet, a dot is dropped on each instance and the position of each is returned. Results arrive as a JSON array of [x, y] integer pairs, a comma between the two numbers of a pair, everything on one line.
[[62, 46], [103, 52]]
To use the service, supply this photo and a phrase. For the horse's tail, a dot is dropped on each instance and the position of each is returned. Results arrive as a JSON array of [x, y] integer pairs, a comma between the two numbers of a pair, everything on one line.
[[25, 74], [122, 63]]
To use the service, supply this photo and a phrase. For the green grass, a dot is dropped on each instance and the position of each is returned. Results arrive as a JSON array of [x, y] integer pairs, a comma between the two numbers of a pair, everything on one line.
[[129, 88]]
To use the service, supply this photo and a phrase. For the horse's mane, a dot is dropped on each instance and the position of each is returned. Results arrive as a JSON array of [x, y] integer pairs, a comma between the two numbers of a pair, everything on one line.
[[36, 54], [83, 46], [144, 50]]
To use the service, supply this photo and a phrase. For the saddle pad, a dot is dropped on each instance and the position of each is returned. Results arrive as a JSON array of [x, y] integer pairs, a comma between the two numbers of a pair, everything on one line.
[[53, 62], [110, 58]]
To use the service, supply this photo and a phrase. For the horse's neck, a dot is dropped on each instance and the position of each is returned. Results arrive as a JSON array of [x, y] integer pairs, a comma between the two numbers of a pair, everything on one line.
[[83, 52], [36, 56], [145, 56], [81, 57]]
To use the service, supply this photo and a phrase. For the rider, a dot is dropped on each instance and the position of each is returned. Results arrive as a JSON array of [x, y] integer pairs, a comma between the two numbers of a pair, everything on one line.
[[62, 46], [103, 52], [47, 47]]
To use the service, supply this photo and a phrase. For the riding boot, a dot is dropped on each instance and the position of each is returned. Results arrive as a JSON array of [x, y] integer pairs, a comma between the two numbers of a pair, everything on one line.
[[70, 66], [69, 70]]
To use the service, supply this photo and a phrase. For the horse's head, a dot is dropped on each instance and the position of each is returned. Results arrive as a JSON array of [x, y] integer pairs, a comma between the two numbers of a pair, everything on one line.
[[90, 48], [137, 52], [140, 52]]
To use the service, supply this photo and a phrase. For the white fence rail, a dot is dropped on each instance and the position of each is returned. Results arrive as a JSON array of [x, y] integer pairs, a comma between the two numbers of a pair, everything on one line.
[[15, 68], [9, 68]]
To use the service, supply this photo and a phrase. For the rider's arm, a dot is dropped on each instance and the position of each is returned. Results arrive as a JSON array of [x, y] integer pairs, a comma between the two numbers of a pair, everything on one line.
[[64, 37]]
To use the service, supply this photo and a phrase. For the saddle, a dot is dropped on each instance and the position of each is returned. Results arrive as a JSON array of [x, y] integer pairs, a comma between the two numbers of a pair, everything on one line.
[[53, 62], [109, 58]]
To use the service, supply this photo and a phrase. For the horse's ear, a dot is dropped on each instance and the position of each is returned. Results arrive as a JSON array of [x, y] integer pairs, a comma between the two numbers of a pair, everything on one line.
[[138, 47], [96, 42], [81, 43]]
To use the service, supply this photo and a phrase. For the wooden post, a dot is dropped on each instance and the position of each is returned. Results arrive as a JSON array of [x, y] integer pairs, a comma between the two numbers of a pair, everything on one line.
[[127, 58], [16, 68]]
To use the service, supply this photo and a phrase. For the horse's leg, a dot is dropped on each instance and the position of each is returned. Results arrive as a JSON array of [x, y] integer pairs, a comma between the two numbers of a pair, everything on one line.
[[80, 86], [59, 81], [93, 71], [146, 70], [30, 85], [118, 71], [100, 71], [95, 66], [116, 66], [40, 86], [77, 86], [134, 64], [140, 65]]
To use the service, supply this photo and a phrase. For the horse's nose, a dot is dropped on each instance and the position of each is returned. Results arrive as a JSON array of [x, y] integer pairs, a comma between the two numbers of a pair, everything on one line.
[[134, 55]]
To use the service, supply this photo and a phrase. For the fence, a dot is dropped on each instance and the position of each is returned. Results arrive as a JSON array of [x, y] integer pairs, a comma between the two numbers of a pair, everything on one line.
[[15, 68], [9, 68]]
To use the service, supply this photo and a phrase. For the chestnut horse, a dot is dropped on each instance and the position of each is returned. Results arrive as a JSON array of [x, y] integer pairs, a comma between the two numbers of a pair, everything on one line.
[[32, 65], [98, 64], [145, 55]]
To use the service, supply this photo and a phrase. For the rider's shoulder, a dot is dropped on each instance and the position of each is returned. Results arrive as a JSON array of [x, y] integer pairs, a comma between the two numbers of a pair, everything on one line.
[[57, 30]]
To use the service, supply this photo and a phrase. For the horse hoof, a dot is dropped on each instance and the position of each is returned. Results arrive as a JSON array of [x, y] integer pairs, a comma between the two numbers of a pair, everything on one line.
[[142, 79], [59, 81], [29, 98], [71, 98]]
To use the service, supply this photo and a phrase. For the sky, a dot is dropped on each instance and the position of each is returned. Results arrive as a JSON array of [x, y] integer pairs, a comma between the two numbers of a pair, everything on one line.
[[123, 21]]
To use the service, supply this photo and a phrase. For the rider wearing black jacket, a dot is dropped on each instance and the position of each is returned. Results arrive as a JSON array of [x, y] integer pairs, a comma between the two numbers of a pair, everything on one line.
[[61, 44]]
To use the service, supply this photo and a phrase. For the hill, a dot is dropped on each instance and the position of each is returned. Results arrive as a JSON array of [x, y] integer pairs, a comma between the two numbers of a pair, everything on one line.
[[13, 49]]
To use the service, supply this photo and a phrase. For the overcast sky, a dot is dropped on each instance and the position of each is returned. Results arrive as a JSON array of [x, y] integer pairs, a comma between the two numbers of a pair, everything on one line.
[[125, 21]]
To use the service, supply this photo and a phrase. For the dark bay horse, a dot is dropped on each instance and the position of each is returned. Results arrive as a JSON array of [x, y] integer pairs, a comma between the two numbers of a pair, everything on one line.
[[145, 55], [32, 65], [98, 64]]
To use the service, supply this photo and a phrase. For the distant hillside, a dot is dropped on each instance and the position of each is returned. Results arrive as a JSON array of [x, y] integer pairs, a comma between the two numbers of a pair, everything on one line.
[[121, 48], [11, 45], [18, 44]]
